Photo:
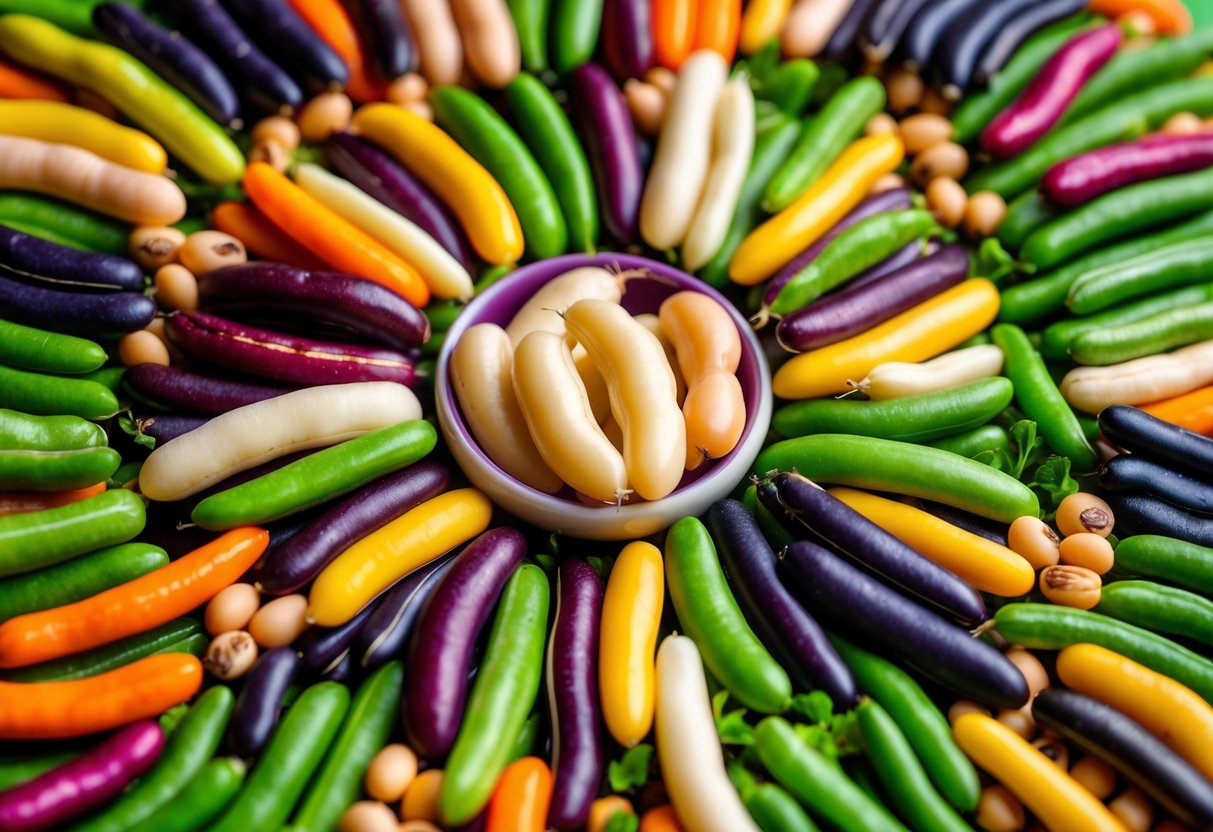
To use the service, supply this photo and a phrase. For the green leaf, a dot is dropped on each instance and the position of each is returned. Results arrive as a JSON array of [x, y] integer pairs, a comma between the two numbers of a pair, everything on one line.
[[623, 821], [816, 705], [631, 771], [743, 781], [731, 727], [995, 262], [171, 718], [1052, 481], [134, 429], [1028, 446], [546, 562]]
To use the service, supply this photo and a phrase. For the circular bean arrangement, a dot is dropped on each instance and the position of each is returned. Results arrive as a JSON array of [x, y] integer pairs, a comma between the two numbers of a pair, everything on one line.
[[967, 584]]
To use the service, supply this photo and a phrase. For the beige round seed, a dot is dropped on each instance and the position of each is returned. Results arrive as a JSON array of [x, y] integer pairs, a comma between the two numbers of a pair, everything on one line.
[[205, 251], [324, 115], [944, 159], [142, 347], [154, 246], [176, 287], [923, 131], [947, 200]]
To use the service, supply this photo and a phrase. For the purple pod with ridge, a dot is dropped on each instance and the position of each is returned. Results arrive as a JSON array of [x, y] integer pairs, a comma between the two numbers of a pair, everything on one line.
[[91, 314], [605, 126], [627, 37], [183, 390], [29, 258], [385, 635], [260, 701]]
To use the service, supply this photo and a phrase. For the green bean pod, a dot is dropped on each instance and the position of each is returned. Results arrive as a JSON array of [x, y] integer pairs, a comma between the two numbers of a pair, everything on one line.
[[1115, 214], [295, 750], [531, 22], [183, 635], [859, 247], [490, 139], [817, 783], [110, 377], [318, 477], [367, 726], [902, 468], [201, 801], [186, 132], [78, 578], [46, 395], [186, 751], [43, 538], [973, 442], [1051, 627], [549, 134], [773, 530], [575, 25], [502, 695], [774, 810], [56, 470], [47, 352], [1180, 264], [978, 109], [919, 418], [79, 227], [1159, 608], [1149, 336], [1026, 213], [903, 777], [709, 614], [823, 139], [1056, 339], [524, 745], [22, 431], [920, 721], [1039, 398], [1175, 561], [1132, 115], [791, 86]]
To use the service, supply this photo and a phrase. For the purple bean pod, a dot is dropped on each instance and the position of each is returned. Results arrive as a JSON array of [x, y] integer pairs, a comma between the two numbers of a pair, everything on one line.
[[894, 199], [165, 427], [781, 622], [283, 34], [260, 701], [89, 314], [385, 635], [29, 258], [380, 176], [605, 125], [920, 43], [904, 256], [627, 37], [373, 506], [884, 620], [182, 390], [996, 53], [1081, 178], [321, 649], [572, 682], [264, 84], [445, 636], [172, 57], [387, 32], [842, 47], [1139, 513], [857, 309], [838, 526], [88, 782], [290, 359], [341, 670], [272, 292], [1043, 103]]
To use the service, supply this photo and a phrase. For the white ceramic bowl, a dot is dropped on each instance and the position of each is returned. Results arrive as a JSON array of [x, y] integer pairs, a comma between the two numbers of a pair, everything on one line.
[[563, 512]]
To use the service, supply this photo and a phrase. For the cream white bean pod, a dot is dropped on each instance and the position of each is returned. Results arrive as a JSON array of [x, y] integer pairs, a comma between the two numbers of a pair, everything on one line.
[[684, 148], [545, 309], [653, 324], [1149, 379], [439, 49], [248, 436], [897, 379]]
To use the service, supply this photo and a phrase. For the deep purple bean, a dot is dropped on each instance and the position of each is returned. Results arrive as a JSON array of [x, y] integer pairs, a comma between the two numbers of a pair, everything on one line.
[[1143, 514], [572, 681], [894, 199], [843, 45], [385, 635], [341, 670], [1133, 472], [354, 517], [382, 177], [605, 126], [835, 524], [322, 648], [290, 359], [262, 83], [961, 45], [781, 622], [94, 315], [283, 34], [273, 292], [857, 309], [260, 701], [904, 256], [88, 782], [188, 392], [387, 31], [884, 25], [445, 635], [921, 39], [869, 611], [172, 57], [1081, 178], [1138, 432], [1042, 104], [1011, 36], [627, 37], [165, 427], [29, 258]]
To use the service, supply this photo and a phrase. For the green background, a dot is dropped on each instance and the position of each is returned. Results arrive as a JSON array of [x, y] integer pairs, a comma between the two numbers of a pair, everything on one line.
[[1202, 11]]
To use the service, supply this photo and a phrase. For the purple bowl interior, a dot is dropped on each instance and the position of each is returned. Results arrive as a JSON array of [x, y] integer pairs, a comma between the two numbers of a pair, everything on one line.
[[501, 301]]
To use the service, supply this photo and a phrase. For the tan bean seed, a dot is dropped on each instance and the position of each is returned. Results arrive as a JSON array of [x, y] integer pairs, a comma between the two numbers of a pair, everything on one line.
[[1083, 512], [1033, 671], [887, 182], [390, 772], [905, 90], [1032, 539], [154, 246], [278, 129], [1055, 750], [421, 797], [999, 811], [142, 347], [368, 816], [1071, 586], [324, 115], [965, 706], [1182, 124], [1133, 809], [232, 608], [947, 200], [662, 78], [280, 622], [1087, 550], [944, 159], [1094, 775], [205, 251], [408, 88], [984, 213], [923, 131], [230, 655], [176, 287], [646, 103]]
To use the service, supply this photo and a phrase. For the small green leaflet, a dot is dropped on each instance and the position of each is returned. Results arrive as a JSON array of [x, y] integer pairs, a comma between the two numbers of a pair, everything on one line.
[[732, 727], [995, 263], [631, 771], [1052, 480], [826, 731], [133, 428], [623, 822]]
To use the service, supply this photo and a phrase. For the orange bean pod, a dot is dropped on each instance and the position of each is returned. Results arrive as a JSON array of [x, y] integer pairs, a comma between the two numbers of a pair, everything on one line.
[[520, 800], [20, 502], [673, 31], [1193, 411], [54, 710], [261, 237], [660, 819], [329, 20], [18, 82], [330, 236], [1170, 16], [718, 27], [135, 606]]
